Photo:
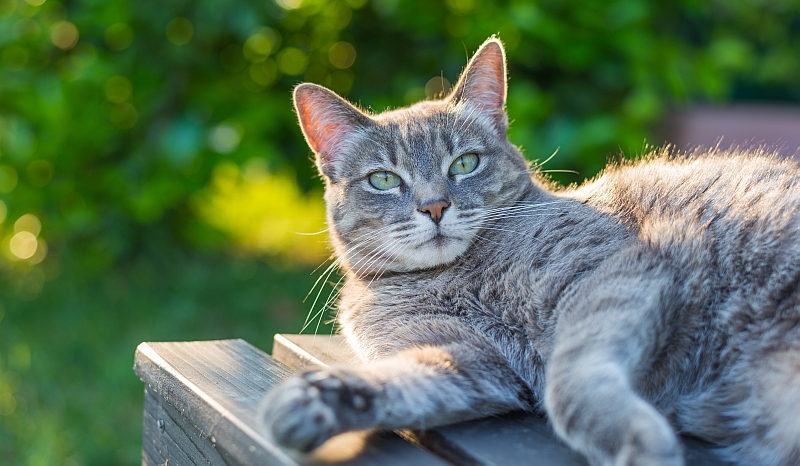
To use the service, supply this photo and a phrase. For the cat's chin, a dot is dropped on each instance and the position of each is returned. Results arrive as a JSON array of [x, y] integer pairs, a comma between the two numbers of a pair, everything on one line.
[[437, 251]]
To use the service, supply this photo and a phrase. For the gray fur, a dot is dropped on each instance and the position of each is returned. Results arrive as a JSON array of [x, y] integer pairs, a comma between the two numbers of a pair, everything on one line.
[[661, 297]]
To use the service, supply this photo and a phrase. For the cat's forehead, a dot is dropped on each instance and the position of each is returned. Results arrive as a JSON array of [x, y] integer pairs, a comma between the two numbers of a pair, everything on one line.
[[416, 137], [415, 140]]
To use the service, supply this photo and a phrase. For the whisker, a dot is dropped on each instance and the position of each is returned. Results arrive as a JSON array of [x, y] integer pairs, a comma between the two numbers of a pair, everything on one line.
[[548, 158], [508, 231], [557, 171], [387, 251], [311, 234]]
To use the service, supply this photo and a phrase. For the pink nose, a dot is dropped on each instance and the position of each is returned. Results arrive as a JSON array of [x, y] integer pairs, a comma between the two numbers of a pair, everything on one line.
[[435, 210]]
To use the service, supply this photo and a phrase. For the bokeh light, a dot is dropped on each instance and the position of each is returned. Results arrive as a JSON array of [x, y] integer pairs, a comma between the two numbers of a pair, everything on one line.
[[437, 87], [225, 137], [342, 55], [118, 89], [64, 35], [123, 115], [263, 42], [119, 36], [8, 178], [180, 31], [29, 223], [289, 4], [23, 244], [292, 61]]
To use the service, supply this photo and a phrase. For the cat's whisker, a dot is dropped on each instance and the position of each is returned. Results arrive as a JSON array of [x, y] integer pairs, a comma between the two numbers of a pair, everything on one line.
[[547, 159], [521, 209], [558, 171], [366, 263], [388, 252], [523, 206], [327, 273], [508, 231], [324, 275], [498, 217], [520, 214], [487, 239], [379, 273], [370, 233], [301, 233], [528, 204]]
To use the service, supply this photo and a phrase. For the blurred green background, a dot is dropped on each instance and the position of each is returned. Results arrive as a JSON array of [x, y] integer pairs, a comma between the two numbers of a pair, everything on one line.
[[153, 180]]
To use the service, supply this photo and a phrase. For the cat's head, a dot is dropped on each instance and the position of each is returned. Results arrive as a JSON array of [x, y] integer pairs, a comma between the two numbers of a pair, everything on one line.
[[411, 188]]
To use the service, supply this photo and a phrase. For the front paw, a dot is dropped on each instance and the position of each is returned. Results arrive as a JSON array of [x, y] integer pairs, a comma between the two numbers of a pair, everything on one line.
[[650, 441], [313, 406]]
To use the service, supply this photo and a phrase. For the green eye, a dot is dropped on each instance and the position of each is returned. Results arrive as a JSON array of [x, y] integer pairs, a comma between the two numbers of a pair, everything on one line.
[[464, 164], [384, 180]]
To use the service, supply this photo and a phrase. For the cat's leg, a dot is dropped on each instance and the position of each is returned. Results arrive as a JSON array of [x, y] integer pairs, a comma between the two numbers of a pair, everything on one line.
[[612, 329], [447, 372]]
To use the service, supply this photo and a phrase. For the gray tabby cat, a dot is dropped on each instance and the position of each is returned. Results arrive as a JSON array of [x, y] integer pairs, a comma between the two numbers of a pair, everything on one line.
[[661, 297]]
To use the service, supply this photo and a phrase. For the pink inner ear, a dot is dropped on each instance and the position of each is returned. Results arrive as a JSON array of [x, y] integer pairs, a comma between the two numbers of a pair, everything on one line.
[[326, 119], [484, 81]]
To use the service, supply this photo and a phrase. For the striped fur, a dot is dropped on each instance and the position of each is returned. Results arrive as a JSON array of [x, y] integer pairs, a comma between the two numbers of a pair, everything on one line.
[[660, 297]]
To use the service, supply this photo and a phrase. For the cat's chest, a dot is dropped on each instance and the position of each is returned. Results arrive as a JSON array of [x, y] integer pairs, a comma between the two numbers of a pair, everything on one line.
[[511, 304]]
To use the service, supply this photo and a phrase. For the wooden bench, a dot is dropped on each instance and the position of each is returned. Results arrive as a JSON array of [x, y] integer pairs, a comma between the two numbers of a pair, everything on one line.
[[201, 400]]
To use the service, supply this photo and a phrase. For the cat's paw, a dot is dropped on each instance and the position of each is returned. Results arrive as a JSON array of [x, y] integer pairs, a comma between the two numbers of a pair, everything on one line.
[[650, 442], [313, 406]]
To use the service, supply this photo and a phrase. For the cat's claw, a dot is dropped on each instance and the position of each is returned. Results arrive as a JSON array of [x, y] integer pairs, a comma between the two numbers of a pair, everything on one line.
[[308, 409]]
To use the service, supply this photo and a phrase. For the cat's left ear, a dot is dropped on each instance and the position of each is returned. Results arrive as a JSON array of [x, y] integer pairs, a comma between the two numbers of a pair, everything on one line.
[[329, 123], [483, 83]]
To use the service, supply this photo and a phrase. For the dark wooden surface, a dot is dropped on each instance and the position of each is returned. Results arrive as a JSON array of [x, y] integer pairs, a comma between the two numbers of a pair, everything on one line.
[[517, 438], [201, 400]]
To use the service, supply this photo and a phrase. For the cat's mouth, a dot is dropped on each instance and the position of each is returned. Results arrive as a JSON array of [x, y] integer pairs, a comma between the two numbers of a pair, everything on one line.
[[439, 241], [436, 250]]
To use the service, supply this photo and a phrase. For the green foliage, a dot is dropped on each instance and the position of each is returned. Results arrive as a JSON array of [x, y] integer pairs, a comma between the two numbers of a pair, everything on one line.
[[115, 115], [68, 394]]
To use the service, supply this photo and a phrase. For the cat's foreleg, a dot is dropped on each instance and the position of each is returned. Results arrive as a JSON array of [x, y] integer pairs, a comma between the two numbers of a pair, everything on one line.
[[446, 373], [612, 329]]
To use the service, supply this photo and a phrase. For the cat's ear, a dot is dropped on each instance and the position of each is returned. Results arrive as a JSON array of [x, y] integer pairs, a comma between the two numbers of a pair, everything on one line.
[[483, 82], [329, 124]]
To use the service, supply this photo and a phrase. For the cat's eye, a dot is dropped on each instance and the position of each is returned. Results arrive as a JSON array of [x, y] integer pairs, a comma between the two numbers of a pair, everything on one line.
[[464, 164], [384, 180]]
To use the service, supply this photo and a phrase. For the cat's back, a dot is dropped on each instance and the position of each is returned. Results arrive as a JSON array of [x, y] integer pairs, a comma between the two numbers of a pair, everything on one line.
[[729, 222]]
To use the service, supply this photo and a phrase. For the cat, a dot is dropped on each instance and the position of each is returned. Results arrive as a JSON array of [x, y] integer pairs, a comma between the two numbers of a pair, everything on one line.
[[660, 297]]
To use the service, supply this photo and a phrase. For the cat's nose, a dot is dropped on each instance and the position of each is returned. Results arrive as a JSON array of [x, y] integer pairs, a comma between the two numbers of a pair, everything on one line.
[[435, 210]]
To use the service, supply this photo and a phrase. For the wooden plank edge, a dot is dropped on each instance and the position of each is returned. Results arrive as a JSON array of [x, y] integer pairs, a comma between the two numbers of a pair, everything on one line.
[[210, 417], [292, 355]]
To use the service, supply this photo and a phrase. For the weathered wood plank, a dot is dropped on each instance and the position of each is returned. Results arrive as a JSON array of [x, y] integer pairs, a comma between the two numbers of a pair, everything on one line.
[[168, 437], [515, 438], [200, 408]]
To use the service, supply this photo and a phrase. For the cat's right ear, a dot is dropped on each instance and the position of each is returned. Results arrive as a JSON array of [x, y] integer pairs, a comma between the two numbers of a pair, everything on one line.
[[329, 124], [483, 83]]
